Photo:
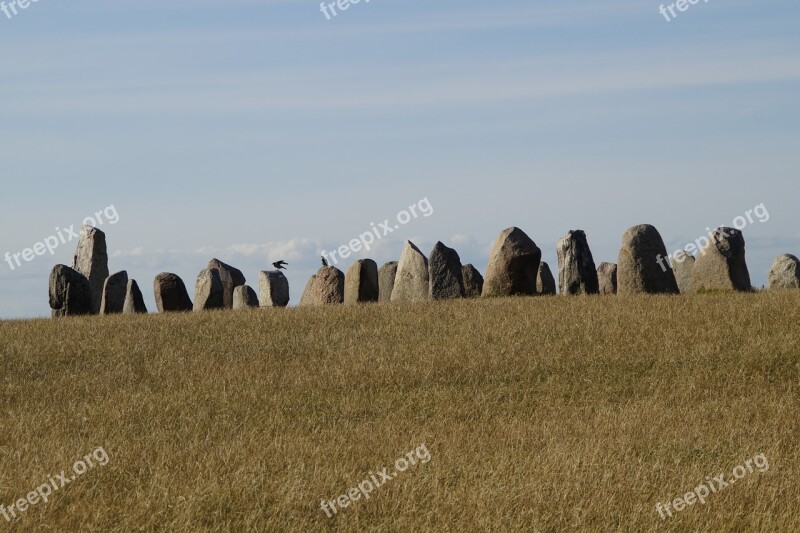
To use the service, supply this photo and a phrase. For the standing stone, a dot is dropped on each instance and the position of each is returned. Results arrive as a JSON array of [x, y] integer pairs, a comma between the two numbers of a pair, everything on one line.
[[231, 278], [545, 282], [446, 277], [361, 282], [70, 292], [721, 264], [328, 286], [412, 281], [114, 291], [683, 267], [577, 273], [513, 265], [273, 289], [171, 294], [309, 292], [91, 260], [473, 281], [642, 265], [386, 277], [208, 290], [785, 273], [134, 301], [244, 297], [607, 278]]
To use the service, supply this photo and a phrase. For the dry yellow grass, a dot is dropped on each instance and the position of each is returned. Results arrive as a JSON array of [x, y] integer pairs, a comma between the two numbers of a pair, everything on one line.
[[540, 414]]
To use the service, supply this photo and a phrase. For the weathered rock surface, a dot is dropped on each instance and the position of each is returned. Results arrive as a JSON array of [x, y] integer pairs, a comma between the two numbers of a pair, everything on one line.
[[244, 297], [70, 292], [114, 290], [607, 278], [208, 290], [134, 301], [328, 286], [513, 265], [386, 277], [309, 292], [577, 273], [785, 273], [721, 264], [683, 268], [412, 281], [91, 260], [638, 269], [361, 282], [446, 280], [231, 278], [545, 282], [171, 294], [273, 289], [473, 281]]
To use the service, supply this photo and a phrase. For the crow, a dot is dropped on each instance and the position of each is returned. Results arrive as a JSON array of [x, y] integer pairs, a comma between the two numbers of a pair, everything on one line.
[[324, 262], [279, 265]]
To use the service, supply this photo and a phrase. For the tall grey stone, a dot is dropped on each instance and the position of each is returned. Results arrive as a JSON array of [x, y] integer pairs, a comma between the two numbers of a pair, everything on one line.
[[721, 264], [309, 293], [412, 280], [328, 286], [386, 277], [473, 281], [208, 290], [91, 260], [513, 265], [69, 292], [785, 273], [683, 266], [114, 291], [231, 278], [577, 273], [244, 297], [545, 282], [134, 301], [445, 274], [273, 289], [171, 294], [361, 282], [607, 278], [643, 266]]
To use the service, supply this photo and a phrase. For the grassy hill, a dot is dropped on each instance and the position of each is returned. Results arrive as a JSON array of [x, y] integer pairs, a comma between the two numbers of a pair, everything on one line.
[[539, 414]]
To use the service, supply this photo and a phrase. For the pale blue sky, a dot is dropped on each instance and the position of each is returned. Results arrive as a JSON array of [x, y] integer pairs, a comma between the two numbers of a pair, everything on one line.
[[258, 130]]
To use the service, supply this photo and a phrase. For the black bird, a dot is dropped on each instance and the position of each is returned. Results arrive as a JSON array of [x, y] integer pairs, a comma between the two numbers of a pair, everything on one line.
[[324, 262], [279, 265]]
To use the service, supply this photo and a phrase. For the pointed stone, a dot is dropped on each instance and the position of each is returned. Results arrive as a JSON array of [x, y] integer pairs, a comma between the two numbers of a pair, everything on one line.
[[244, 297], [446, 277], [114, 290], [643, 266], [309, 293], [386, 276], [473, 281], [721, 264], [273, 289], [91, 260], [683, 268], [70, 292], [412, 279], [134, 301], [545, 282], [208, 290], [361, 282], [513, 265], [231, 278], [171, 294], [607, 278], [577, 273], [785, 273]]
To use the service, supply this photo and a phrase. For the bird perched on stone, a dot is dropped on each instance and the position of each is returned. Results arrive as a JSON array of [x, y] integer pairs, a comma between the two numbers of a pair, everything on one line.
[[324, 262], [279, 265]]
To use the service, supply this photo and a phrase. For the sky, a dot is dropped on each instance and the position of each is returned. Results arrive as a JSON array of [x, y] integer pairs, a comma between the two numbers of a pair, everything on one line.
[[254, 131]]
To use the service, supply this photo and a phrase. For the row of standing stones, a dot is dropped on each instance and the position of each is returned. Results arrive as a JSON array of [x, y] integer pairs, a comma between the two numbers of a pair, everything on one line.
[[515, 268]]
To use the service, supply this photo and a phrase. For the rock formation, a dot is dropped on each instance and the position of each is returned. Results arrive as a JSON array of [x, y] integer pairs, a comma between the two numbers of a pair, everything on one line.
[[513, 265]]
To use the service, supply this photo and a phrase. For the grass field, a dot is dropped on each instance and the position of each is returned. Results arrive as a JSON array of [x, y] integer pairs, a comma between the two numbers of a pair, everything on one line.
[[539, 414]]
